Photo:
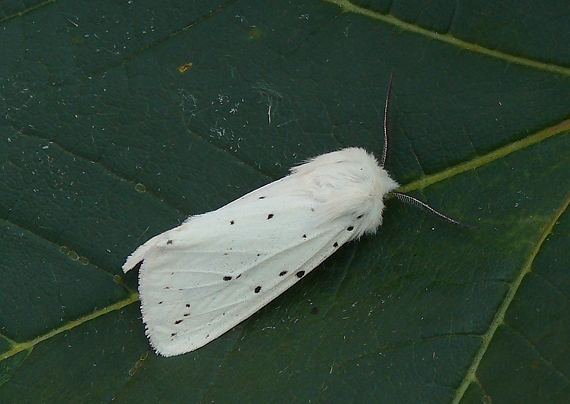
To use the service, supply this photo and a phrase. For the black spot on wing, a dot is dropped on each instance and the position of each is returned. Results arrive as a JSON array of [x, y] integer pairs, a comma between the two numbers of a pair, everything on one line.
[[173, 334], [169, 242], [300, 274], [269, 216], [359, 216], [187, 304], [304, 236], [282, 273], [261, 197], [227, 278], [335, 245], [178, 321], [232, 222], [350, 228], [257, 289]]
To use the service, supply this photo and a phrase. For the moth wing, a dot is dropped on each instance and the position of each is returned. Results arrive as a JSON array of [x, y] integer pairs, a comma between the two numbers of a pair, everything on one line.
[[201, 279]]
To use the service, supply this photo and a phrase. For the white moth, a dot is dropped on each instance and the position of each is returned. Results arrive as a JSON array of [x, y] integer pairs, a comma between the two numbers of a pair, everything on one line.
[[204, 277]]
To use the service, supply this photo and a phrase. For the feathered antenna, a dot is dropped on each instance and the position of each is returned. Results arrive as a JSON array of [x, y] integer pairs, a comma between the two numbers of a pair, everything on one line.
[[386, 115], [401, 196]]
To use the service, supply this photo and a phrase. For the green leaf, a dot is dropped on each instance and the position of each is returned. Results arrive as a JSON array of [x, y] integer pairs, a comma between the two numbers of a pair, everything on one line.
[[119, 119]]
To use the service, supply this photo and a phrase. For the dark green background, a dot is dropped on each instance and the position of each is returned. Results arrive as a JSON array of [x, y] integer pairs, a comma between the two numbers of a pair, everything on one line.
[[105, 143]]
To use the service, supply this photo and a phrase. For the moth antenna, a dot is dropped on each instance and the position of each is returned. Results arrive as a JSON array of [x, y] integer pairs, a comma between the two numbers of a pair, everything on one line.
[[425, 207], [386, 115]]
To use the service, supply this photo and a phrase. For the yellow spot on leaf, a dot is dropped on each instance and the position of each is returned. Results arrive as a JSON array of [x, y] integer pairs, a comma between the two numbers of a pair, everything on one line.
[[184, 68]]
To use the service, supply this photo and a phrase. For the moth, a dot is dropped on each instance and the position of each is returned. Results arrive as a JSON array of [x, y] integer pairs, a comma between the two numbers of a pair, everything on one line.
[[202, 278]]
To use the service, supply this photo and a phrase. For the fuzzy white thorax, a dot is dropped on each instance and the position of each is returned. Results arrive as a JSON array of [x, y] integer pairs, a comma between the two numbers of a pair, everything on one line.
[[348, 182]]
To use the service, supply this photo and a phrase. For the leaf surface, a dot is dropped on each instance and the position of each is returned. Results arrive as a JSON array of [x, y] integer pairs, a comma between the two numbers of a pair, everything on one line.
[[120, 119]]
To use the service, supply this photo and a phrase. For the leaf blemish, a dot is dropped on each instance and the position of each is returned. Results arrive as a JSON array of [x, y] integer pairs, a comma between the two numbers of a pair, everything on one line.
[[300, 274], [232, 222], [227, 278], [257, 289], [350, 228], [335, 244], [269, 216], [178, 321], [282, 273]]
